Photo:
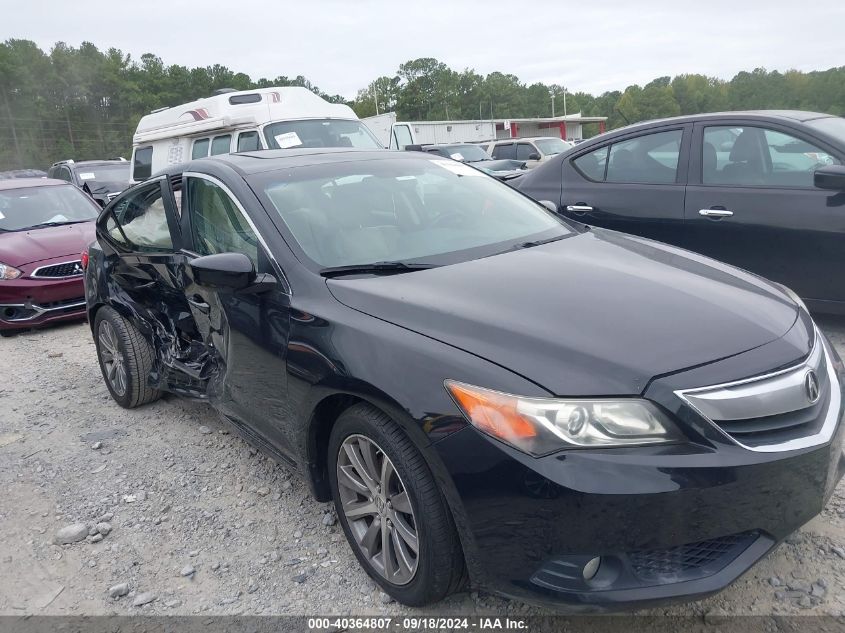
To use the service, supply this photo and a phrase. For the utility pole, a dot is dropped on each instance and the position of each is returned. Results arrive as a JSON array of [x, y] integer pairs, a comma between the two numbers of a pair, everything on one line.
[[552, 95], [564, 102], [375, 96]]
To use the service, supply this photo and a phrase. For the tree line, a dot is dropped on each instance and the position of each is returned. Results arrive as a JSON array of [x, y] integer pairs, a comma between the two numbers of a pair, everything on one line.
[[85, 103]]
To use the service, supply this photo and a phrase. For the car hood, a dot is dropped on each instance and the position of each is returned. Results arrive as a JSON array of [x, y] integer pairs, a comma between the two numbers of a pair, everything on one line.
[[18, 248], [598, 313]]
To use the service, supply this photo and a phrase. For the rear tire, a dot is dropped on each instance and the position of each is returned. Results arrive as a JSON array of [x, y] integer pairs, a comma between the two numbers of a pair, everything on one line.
[[409, 508], [126, 359], [8, 333]]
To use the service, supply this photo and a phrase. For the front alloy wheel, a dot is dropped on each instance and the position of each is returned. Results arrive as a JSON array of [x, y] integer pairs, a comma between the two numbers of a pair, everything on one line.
[[391, 509], [378, 509]]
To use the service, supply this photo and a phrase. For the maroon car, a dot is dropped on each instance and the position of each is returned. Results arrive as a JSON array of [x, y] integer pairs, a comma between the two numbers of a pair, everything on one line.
[[45, 225]]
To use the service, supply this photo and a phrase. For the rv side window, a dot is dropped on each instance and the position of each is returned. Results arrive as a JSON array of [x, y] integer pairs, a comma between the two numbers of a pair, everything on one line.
[[248, 141], [221, 145], [142, 165], [200, 148]]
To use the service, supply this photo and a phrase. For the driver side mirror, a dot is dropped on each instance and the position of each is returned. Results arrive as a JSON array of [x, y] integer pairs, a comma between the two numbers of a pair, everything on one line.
[[830, 177], [230, 271], [534, 156]]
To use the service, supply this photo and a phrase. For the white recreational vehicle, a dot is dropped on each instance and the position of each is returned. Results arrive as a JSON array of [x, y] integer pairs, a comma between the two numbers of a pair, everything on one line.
[[267, 118]]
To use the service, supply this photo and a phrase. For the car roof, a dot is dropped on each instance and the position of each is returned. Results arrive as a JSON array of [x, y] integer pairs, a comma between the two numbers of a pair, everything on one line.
[[21, 183], [526, 138], [769, 115], [272, 159], [91, 163]]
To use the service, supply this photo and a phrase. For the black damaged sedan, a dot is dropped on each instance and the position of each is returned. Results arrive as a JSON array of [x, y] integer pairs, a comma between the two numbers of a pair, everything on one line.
[[490, 395]]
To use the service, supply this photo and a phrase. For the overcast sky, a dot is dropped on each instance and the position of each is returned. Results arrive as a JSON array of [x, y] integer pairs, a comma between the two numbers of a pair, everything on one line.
[[342, 45]]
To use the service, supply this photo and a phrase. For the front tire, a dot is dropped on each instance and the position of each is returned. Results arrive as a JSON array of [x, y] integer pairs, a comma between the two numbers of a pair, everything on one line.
[[126, 359], [391, 509]]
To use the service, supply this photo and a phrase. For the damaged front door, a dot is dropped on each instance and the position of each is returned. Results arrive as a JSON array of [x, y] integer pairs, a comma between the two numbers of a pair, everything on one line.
[[143, 255], [245, 331]]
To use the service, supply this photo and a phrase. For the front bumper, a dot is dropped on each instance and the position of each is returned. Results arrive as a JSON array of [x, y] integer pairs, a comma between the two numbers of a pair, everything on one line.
[[28, 303], [674, 522]]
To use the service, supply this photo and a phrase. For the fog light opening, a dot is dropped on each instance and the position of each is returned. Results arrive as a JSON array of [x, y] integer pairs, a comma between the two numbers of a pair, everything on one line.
[[9, 313], [591, 568]]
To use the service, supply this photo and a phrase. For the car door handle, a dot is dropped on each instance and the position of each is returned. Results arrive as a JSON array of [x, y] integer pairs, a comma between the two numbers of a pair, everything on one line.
[[579, 208], [716, 213], [200, 305]]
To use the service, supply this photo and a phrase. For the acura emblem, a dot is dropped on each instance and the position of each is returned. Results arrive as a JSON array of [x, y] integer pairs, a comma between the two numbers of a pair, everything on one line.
[[811, 384]]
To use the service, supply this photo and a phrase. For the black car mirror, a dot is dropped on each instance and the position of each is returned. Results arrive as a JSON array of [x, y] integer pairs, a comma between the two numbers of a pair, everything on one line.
[[230, 271], [534, 156], [830, 177]]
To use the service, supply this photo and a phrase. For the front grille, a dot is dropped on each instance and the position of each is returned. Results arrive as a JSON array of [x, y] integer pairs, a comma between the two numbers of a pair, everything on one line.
[[697, 559], [66, 269], [775, 412]]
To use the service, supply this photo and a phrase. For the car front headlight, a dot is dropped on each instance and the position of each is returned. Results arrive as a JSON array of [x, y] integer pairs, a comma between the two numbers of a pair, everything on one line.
[[9, 272], [542, 425]]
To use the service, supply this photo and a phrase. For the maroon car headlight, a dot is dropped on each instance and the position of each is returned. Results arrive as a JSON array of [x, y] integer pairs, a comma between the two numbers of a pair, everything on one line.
[[542, 425], [9, 272]]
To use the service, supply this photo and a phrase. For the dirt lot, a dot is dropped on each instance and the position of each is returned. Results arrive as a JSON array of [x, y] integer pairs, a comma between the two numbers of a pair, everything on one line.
[[198, 522]]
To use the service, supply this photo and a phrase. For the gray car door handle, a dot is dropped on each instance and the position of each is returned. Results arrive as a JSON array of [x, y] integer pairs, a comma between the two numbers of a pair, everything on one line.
[[579, 208], [716, 213]]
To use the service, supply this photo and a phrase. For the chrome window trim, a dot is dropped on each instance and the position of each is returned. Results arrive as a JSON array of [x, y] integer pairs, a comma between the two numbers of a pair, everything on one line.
[[832, 414], [194, 174], [35, 274]]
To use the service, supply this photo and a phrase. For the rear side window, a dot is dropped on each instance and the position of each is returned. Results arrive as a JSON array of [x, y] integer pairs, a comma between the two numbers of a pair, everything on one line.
[[139, 221], [248, 141], [506, 150], [592, 165], [200, 149], [648, 159], [142, 165]]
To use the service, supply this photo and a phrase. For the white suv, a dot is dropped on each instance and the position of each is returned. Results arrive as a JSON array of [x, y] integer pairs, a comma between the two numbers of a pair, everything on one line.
[[533, 150]]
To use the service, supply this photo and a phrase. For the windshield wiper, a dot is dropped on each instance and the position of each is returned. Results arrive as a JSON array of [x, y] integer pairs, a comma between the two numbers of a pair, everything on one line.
[[41, 226], [539, 242], [374, 268]]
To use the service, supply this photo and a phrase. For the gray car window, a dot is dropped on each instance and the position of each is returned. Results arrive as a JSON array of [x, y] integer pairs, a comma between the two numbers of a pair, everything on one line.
[[592, 164], [647, 159], [751, 156]]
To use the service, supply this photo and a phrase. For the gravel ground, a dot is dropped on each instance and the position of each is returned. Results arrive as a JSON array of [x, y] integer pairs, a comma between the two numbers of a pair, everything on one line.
[[182, 517]]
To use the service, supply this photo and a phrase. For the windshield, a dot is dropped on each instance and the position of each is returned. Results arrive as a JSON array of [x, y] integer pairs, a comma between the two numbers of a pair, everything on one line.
[[35, 206], [319, 133], [388, 210], [466, 153], [551, 146], [833, 126], [104, 173]]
